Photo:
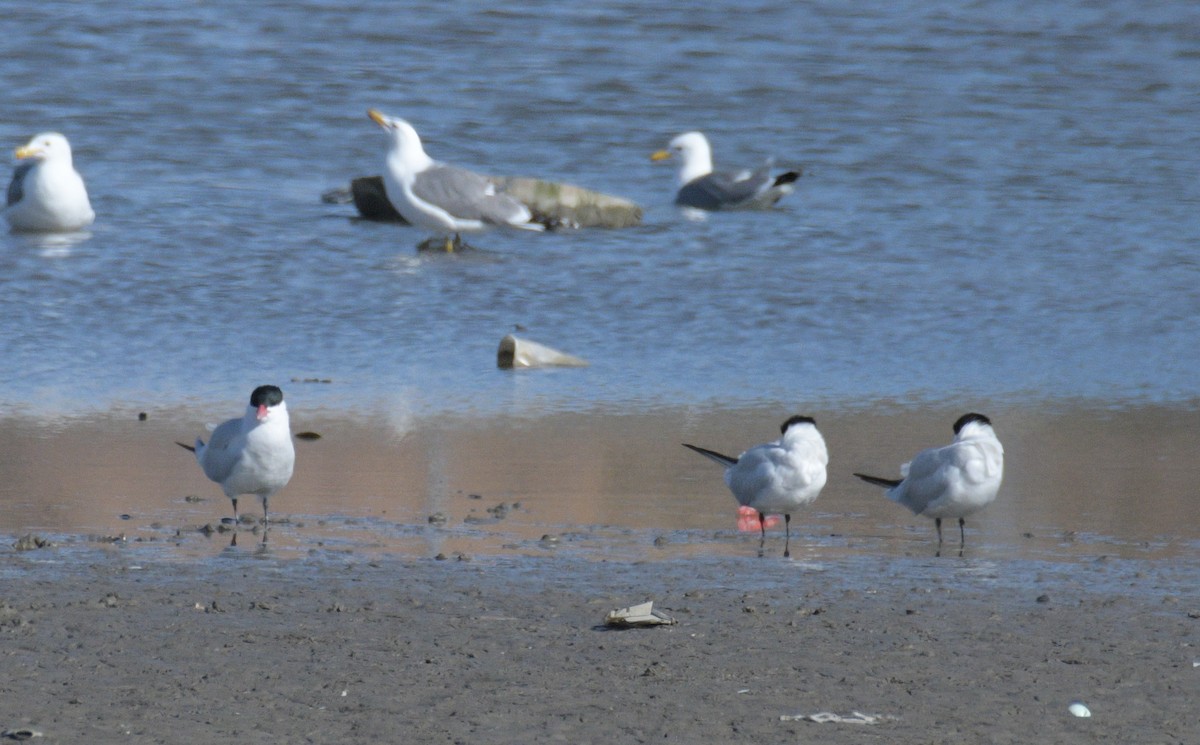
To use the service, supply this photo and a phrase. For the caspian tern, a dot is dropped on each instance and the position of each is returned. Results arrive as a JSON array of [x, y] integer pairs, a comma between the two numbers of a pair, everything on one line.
[[951, 481], [777, 477], [253, 454]]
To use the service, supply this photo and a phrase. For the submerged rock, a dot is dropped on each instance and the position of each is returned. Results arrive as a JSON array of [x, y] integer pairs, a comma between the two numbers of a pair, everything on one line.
[[557, 204], [553, 204], [29, 542]]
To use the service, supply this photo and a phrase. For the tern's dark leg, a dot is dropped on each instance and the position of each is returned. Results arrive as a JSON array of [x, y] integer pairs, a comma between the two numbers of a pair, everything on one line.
[[787, 529], [762, 527], [962, 535], [265, 510], [235, 514]]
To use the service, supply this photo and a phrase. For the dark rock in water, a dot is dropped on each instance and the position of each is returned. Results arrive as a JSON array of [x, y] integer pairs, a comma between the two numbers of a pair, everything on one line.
[[553, 204], [370, 199]]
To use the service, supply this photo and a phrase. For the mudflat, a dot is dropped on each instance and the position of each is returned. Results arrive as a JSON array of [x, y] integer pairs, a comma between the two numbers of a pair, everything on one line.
[[514, 650], [447, 582]]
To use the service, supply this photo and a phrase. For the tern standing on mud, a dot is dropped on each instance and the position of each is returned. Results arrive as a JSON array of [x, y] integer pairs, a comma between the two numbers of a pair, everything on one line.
[[951, 481], [777, 477], [251, 455]]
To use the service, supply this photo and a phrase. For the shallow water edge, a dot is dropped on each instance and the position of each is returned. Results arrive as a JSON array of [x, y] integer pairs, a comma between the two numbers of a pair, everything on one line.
[[1081, 482]]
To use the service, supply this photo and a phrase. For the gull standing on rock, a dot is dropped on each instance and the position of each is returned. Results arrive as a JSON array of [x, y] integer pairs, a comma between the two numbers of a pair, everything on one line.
[[701, 188], [951, 481], [251, 455], [46, 193], [441, 198], [777, 477]]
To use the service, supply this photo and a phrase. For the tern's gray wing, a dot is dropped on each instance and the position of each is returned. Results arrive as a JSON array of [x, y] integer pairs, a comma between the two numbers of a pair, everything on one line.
[[16, 187], [467, 195], [926, 477], [755, 472], [223, 450], [723, 190]]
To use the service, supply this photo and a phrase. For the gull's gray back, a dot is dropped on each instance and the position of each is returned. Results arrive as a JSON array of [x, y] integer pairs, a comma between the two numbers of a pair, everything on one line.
[[722, 190], [466, 195]]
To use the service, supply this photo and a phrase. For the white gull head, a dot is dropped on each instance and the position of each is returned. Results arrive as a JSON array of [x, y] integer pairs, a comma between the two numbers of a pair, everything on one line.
[[48, 147], [695, 156], [404, 145]]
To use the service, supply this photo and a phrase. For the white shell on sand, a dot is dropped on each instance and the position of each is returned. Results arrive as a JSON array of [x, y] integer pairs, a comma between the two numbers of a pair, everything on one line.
[[1079, 710]]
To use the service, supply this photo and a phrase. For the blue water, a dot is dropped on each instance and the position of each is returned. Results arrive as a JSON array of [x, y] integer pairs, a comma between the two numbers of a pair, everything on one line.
[[1000, 201]]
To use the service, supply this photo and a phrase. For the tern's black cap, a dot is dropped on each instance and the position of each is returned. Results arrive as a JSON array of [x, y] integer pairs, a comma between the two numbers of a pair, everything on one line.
[[266, 395], [966, 419], [797, 419]]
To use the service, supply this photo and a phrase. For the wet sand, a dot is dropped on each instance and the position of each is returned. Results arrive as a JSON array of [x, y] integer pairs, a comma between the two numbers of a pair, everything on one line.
[[1078, 584], [1078, 481]]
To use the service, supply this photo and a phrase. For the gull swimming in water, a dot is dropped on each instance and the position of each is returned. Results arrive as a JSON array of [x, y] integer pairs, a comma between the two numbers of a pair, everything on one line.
[[701, 188], [46, 193], [777, 477], [951, 481], [253, 454], [438, 197]]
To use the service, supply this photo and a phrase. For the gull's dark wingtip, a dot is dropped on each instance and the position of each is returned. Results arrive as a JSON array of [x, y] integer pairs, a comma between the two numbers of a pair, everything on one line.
[[789, 177]]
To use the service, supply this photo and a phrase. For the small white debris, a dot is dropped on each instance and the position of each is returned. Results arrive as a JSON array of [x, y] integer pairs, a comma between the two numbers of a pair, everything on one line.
[[515, 352], [20, 734], [825, 717], [1079, 710], [638, 615]]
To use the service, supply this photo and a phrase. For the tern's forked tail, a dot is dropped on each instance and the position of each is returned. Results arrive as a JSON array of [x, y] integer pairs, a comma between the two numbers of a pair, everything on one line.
[[724, 460], [877, 481]]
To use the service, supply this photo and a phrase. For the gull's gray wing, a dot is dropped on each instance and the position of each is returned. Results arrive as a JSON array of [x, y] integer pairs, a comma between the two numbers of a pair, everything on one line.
[[723, 190], [467, 195], [16, 187]]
